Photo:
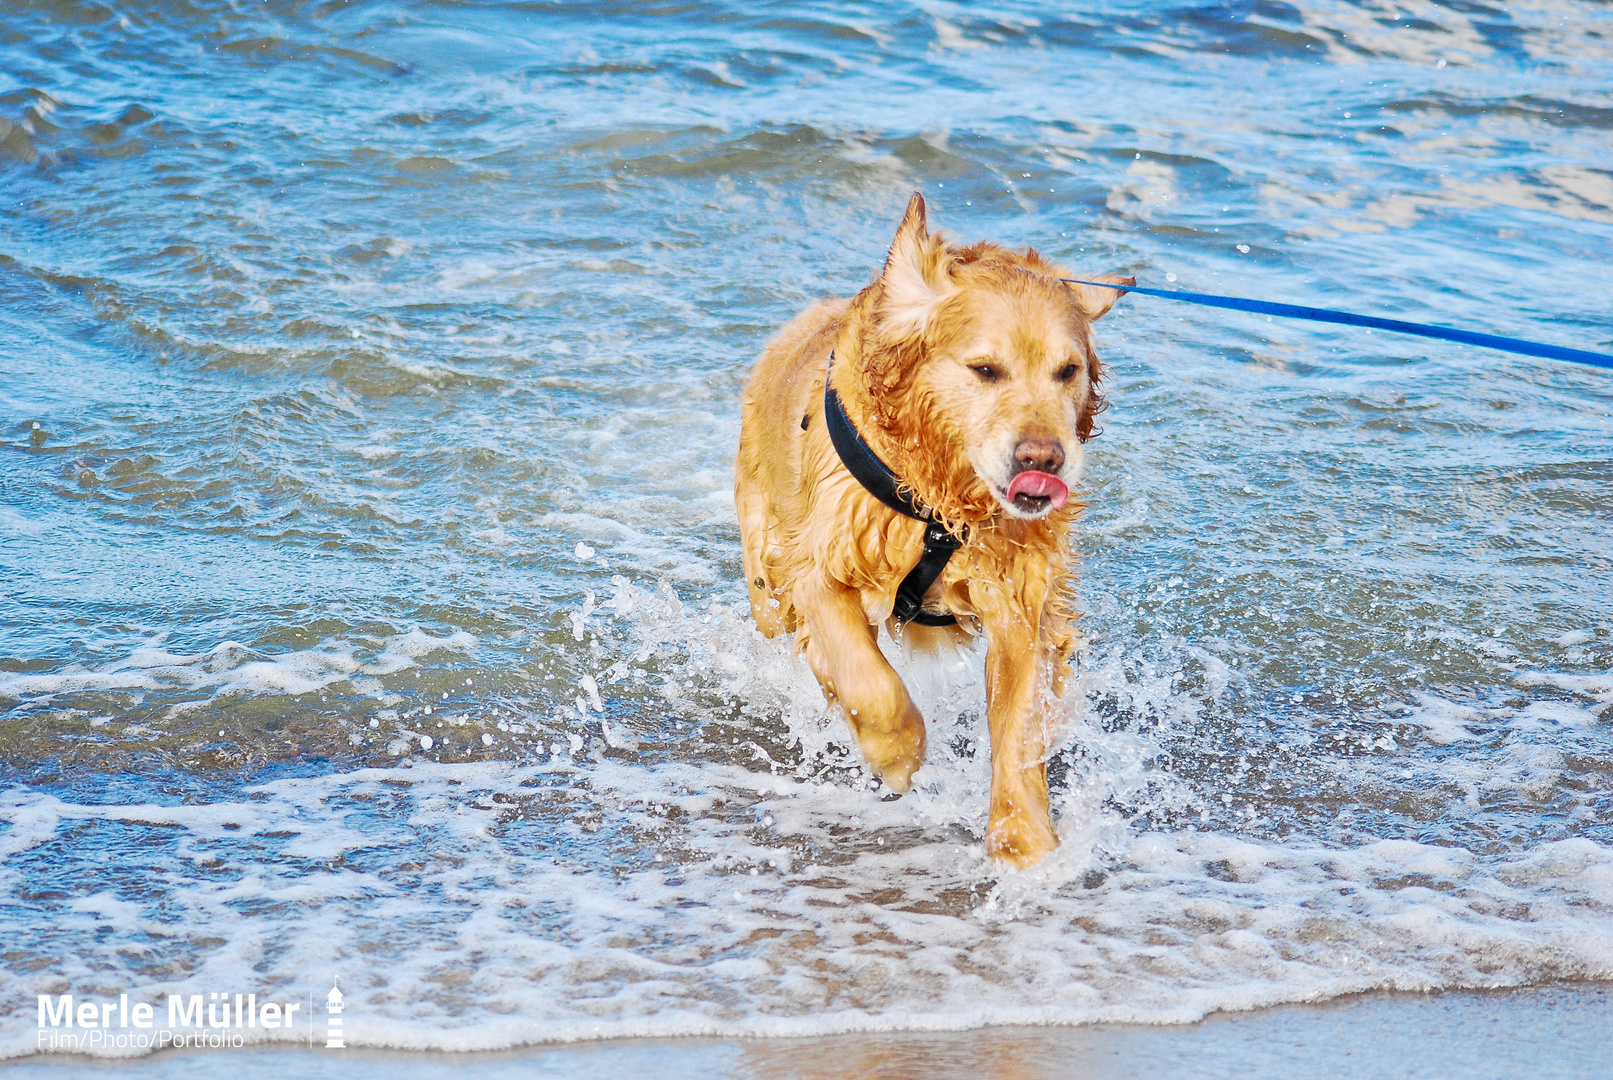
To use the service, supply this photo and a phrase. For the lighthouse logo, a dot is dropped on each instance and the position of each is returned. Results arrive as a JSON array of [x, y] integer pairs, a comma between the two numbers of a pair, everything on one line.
[[333, 1018]]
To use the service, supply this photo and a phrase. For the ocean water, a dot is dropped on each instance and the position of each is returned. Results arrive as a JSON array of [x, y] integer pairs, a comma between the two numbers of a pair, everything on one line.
[[370, 601]]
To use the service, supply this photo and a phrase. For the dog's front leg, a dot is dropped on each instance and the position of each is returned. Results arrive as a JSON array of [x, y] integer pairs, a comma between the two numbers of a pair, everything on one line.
[[843, 650], [1020, 828]]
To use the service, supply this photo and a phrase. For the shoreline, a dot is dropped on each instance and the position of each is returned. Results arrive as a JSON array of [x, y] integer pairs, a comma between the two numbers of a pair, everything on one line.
[[1540, 1031]]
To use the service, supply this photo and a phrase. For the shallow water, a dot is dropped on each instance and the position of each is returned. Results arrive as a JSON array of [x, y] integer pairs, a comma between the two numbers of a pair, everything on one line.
[[371, 593], [1415, 1036]]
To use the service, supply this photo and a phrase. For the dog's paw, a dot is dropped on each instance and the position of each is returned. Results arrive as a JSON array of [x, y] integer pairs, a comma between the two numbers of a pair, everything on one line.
[[897, 773], [1020, 843], [894, 748]]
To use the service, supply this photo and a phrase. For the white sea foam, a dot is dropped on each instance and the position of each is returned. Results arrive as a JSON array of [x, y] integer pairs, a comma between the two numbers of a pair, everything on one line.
[[1596, 687], [745, 928], [628, 885], [1442, 721], [233, 668]]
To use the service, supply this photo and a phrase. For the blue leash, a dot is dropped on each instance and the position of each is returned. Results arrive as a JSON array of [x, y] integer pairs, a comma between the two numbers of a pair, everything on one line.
[[1327, 315]]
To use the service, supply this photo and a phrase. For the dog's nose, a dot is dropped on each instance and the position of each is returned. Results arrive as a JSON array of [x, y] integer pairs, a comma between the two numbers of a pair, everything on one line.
[[1046, 455]]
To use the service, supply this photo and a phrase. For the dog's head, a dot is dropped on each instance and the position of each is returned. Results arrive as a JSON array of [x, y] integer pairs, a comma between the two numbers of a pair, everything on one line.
[[989, 345]]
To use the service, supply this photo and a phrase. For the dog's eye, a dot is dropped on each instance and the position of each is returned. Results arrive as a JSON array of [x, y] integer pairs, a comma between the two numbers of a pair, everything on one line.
[[986, 372], [1067, 372]]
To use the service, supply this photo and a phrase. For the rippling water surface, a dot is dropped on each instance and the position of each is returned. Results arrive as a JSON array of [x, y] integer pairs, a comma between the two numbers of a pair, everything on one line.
[[369, 577]]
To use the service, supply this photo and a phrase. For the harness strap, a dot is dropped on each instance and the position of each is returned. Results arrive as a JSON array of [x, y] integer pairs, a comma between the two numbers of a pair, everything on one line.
[[879, 481]]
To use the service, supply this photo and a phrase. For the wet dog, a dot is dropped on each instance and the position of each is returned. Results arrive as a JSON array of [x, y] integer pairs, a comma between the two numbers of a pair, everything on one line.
[[906, 459]]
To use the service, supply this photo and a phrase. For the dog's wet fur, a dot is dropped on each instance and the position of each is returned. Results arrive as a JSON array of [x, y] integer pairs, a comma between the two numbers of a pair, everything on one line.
[[962, 368]]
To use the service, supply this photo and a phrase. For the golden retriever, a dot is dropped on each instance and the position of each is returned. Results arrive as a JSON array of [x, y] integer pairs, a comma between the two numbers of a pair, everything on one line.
[[971, 374]]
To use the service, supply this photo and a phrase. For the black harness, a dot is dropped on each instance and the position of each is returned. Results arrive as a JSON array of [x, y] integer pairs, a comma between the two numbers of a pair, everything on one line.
[[875, 476]]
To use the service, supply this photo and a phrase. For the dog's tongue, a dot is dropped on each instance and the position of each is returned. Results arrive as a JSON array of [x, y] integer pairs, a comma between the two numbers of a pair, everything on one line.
[[1039, 484]]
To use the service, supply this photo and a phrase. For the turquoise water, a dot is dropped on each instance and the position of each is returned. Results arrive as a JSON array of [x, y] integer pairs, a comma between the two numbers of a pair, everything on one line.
[[371, 604]]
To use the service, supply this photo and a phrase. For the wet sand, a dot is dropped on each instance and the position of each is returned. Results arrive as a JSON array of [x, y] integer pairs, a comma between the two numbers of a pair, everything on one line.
[[1538, 1032]]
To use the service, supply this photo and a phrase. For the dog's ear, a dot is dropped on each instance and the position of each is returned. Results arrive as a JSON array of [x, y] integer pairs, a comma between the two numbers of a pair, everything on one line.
[[915, 275], [1095, 300]]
